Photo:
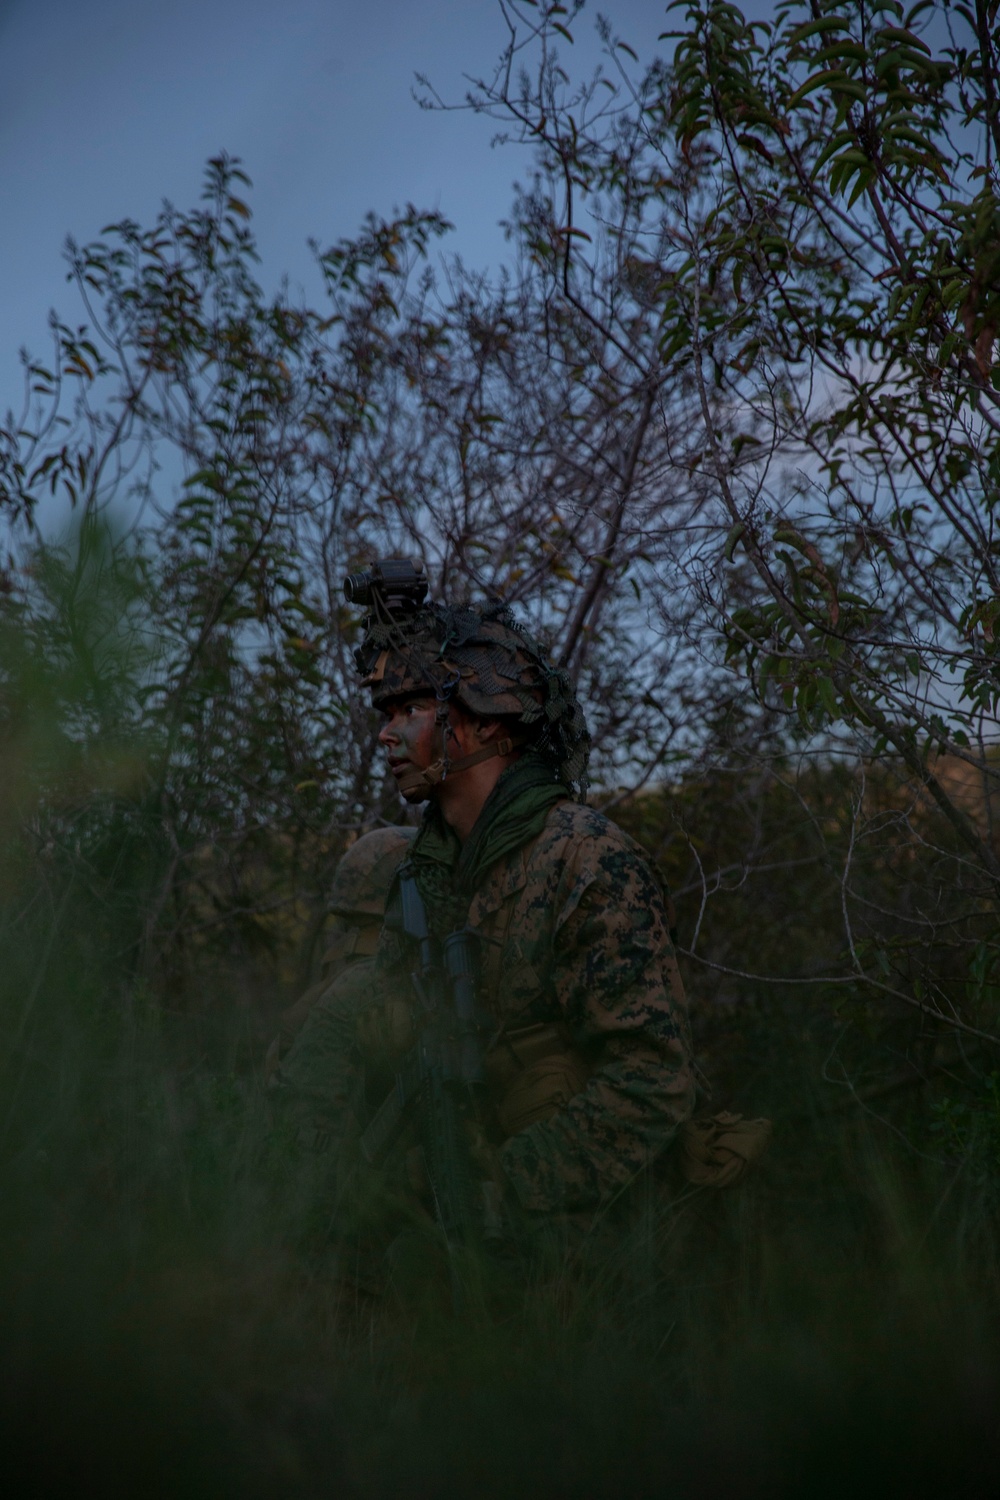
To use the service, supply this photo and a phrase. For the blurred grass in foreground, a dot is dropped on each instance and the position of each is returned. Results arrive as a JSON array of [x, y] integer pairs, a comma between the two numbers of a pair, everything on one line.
[[173, 1321], [169, 1327], [833, 1325]]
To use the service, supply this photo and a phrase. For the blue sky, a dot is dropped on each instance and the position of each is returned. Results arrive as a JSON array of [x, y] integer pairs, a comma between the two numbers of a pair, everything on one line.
[[109, 106]]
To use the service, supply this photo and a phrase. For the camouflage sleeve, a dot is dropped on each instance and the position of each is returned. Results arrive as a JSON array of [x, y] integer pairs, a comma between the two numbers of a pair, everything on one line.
[[316, 1090], [618, 988]]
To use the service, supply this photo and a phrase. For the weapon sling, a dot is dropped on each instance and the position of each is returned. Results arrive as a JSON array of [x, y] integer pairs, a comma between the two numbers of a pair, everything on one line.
[[439, 1077]]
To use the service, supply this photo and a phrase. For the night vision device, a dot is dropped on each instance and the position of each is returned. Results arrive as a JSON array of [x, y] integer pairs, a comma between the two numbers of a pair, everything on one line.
[[395, 586]]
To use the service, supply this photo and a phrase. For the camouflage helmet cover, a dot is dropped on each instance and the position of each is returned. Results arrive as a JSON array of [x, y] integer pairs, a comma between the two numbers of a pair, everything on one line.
[[365, 873], [485, 660]]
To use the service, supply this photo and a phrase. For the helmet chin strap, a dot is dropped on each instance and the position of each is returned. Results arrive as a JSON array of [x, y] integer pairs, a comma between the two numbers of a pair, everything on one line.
[[416, 786]]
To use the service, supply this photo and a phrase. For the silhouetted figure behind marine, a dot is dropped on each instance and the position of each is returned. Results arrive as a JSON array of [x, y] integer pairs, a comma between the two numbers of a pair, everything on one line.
[[310, 1068], [550, 1057]]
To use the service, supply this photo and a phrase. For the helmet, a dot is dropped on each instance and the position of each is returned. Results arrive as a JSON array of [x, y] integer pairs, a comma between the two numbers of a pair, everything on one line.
[[483, 659], [365, 873]]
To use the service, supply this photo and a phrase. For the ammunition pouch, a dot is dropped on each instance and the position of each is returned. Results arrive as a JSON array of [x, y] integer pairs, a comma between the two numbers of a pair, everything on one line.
[[532, 1072]]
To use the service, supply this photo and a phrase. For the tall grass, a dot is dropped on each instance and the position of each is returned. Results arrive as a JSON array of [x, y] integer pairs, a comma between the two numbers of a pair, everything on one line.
[[174, 1320]]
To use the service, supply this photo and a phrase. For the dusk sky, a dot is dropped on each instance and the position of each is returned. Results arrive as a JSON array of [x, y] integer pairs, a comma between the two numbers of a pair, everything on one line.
[[109, 106]]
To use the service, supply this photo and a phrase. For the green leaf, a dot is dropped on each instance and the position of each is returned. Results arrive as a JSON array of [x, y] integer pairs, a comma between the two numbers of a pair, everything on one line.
[[897, 34], [841, 139], [817, 28], [735, 534], [817, 81], [828, 696], [850, 50]]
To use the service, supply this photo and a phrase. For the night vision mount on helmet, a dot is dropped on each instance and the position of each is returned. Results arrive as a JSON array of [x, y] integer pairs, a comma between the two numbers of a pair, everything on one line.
[[478, 656], [396, 586]]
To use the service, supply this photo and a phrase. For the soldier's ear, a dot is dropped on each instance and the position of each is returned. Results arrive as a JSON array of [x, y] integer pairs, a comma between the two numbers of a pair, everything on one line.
[[488, 729]]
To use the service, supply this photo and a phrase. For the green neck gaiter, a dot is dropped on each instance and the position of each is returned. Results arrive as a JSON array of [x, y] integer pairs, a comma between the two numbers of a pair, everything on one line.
[[448, 873]]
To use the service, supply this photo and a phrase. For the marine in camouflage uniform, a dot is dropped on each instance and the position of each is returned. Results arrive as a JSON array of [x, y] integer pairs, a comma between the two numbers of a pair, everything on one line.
[[588, 1063], [311, 1066]]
